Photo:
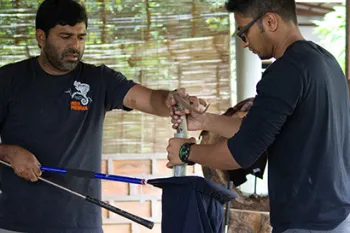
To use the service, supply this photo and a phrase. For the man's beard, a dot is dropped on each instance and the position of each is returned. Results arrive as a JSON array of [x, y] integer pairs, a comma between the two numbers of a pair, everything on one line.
[[264, 38], [57, 60]]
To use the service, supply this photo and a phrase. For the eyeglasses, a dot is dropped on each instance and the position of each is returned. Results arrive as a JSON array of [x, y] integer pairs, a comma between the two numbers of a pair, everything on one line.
[[241, 32]]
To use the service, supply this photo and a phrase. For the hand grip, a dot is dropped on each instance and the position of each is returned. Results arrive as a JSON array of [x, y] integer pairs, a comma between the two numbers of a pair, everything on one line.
[[123, 213]]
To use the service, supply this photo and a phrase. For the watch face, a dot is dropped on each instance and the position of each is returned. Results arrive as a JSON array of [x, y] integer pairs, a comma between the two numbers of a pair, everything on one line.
[[184, 151]]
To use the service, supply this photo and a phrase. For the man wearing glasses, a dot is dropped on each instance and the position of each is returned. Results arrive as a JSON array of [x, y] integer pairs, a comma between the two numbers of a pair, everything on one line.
[[300, 116]]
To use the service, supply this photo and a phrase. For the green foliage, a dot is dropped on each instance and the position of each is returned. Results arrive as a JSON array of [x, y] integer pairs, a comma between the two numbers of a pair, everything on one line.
[[221, 22], [333, 29], [215, 4], [218, 24]]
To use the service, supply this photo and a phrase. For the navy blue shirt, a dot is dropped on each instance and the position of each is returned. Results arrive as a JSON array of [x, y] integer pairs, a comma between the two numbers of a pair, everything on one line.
[[60, 120], [300, 115]]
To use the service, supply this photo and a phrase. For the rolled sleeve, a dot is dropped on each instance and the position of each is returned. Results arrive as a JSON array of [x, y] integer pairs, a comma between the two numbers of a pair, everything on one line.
[[278, 93]]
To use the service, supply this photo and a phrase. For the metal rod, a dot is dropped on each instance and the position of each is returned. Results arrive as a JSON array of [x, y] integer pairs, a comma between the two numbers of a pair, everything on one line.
[[181, 132], [90, 174], [50, 182], [95, 201], [228, 207], [61, 187]]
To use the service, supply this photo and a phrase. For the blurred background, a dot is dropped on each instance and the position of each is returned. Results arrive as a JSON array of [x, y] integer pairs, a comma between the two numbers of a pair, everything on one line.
[[164, 45]]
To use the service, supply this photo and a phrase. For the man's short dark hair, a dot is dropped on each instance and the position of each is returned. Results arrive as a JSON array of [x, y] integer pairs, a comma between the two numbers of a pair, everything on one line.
[[254, 8], [60, 12]]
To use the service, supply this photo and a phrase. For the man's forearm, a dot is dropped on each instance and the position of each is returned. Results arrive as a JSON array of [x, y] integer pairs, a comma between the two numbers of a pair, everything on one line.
[[158, 101], [147, 100], [4, 152], [225, 126], [214, 155]]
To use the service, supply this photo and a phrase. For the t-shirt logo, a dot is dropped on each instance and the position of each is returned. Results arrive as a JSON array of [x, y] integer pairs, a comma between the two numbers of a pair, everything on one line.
[[79, 99]]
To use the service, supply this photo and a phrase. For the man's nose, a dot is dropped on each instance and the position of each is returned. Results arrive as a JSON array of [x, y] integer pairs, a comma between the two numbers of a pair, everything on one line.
[[75, 43]]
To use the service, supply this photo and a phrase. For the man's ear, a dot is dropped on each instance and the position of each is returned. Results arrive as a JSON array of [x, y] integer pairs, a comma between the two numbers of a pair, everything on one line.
[[40, 37], [270, 21]]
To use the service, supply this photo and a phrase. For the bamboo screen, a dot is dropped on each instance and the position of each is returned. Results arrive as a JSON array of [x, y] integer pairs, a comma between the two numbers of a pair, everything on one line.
[[160, 44]]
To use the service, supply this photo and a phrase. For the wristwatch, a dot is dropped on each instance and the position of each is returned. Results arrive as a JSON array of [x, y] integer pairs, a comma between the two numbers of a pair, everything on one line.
[[184, 153]]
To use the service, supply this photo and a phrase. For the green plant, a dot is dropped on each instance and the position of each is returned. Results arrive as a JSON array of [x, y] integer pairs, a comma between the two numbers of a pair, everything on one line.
[[333, 28]]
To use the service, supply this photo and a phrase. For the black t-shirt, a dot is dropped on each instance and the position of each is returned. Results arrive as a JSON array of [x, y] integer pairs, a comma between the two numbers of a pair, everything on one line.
[[300, 115], [60, 120]]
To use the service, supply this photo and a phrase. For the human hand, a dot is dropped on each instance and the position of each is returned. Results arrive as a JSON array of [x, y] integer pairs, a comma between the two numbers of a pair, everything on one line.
[[171, 101], [173, 150], [189, 106], [23, 162]]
